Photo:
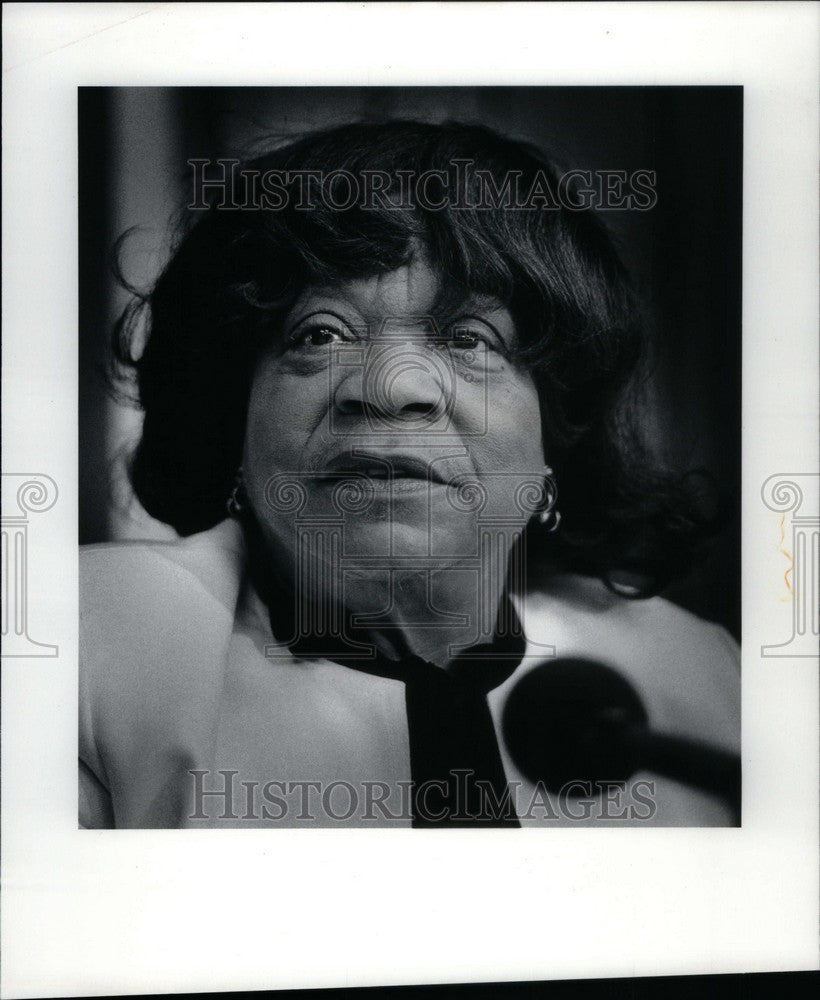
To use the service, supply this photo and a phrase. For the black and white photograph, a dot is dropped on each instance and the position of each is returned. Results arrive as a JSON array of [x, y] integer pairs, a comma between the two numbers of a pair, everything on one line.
[[430, 506], [410, 425]]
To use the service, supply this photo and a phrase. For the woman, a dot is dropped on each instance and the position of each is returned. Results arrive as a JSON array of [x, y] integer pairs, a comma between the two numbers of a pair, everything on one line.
[[387, 410]]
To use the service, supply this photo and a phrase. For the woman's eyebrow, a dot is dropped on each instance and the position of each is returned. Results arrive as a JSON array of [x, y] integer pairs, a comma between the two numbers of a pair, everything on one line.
[[294, 324], [467, 316], [314, 304]]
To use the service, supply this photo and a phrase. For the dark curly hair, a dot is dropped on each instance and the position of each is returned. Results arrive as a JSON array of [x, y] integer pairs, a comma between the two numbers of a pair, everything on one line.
[[234, 273]]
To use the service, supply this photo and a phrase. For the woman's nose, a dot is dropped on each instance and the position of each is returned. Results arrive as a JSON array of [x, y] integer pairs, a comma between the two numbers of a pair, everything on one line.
[[403, 385]]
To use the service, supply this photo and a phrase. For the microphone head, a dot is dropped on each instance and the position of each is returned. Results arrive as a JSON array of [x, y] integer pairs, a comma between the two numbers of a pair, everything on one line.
[[569, 719]]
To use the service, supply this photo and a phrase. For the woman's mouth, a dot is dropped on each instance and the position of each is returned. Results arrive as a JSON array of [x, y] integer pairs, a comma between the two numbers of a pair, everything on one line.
[[403, 471]]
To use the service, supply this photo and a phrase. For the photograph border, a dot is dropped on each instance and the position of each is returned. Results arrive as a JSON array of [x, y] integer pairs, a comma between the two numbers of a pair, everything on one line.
[[119, 912]]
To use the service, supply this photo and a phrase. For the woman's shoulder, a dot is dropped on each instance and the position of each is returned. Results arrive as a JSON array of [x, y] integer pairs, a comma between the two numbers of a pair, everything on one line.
[[152, 610], [116, 577], [686, 669], [588, 599], [156, 619]]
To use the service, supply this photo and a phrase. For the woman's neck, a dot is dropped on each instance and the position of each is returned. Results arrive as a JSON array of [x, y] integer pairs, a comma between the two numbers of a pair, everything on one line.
[[392, 614]]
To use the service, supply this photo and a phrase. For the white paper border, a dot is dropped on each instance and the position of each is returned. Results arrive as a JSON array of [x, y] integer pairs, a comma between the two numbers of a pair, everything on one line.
[[120, 912]]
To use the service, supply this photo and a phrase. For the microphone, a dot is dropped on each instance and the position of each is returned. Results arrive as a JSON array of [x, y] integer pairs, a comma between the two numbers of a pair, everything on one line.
[[573, 719]]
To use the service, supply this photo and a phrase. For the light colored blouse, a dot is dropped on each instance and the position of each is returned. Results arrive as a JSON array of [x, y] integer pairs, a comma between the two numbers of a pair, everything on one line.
[[191, 715]]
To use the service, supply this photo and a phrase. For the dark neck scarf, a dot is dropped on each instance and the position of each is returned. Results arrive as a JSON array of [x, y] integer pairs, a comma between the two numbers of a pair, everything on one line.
[[458, 776]]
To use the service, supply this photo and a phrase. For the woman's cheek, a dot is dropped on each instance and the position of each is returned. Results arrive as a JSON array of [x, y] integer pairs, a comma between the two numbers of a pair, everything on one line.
[[514, 423], [283, 413], [266, 430]]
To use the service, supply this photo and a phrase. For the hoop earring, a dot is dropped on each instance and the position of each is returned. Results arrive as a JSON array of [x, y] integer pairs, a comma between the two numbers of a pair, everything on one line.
[[550, 519], [235, 505], [549, 516]]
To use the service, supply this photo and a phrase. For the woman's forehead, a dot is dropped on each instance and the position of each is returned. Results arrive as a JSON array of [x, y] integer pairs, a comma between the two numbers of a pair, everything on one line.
[[412, 289]]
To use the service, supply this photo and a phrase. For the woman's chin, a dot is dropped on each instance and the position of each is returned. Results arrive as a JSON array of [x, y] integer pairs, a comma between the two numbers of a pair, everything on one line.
[[401, 539]]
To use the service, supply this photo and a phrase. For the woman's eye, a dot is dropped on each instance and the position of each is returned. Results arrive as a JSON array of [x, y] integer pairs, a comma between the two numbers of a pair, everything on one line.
[[468, 340], [318, 335], [473, 333]]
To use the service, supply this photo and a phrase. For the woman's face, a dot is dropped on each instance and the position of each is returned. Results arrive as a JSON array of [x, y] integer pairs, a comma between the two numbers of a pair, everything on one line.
[[374, 412]]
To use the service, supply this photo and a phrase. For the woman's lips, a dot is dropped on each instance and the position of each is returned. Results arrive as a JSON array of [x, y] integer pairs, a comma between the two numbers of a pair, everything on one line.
[[386, 476], [383, 469], [398, 484]]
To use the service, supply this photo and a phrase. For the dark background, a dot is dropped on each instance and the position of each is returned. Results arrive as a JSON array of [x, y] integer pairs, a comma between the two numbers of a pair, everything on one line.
[[684, 254]]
